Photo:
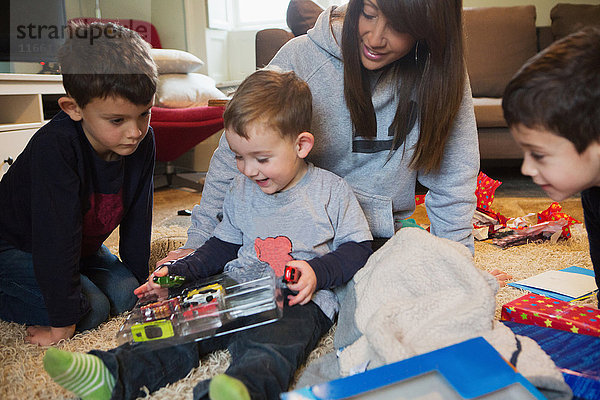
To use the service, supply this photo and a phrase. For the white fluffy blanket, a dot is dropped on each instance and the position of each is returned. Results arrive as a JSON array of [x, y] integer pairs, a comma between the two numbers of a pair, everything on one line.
[[419, 293]]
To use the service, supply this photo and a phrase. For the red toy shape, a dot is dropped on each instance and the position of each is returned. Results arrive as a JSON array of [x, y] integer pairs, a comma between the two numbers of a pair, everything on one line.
[[274, 251]]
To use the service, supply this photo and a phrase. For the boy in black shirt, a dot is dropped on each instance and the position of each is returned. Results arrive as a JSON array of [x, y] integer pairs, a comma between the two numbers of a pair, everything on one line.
[[84, 173], [552, 106]]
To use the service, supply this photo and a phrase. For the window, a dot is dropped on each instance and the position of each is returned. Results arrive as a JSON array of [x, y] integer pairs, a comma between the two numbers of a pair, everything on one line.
[[327, 3], [246, 14], [259, 12], [252, 14]]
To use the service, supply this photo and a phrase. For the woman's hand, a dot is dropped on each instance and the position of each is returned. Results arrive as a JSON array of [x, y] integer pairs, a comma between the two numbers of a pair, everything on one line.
[[174, 255], [48, 335], [305, 286]]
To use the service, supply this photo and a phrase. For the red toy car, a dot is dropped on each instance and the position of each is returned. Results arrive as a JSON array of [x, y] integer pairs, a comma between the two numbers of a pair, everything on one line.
[[197, 310], [159, 309], [291, 274]]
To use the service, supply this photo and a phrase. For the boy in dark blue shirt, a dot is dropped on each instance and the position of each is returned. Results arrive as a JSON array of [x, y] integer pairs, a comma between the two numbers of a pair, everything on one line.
[[552, 106], [84, 173]]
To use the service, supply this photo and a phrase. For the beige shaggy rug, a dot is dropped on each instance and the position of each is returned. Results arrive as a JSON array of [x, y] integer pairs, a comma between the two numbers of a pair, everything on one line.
[[22, 375]]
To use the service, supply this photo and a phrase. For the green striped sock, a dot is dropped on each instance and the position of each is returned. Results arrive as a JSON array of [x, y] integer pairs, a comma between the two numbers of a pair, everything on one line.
[[224, 387], [83, 374]]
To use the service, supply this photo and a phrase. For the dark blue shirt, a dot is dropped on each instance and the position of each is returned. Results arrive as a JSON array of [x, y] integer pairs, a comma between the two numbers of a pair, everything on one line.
[[590, 200], [60, 201]]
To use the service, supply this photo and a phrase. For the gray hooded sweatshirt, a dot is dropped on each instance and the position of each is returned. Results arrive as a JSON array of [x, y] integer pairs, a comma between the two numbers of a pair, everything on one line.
[[385, 188]]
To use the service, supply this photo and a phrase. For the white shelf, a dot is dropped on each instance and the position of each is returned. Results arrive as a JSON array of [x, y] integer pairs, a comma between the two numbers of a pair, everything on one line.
[[20, 127], [22, 109], [30, 84]]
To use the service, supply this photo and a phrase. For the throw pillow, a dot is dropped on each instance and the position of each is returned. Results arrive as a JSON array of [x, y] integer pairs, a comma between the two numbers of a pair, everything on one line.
[[302, 15], [569, 18], [498, 42], [171, 61], [186, 90]]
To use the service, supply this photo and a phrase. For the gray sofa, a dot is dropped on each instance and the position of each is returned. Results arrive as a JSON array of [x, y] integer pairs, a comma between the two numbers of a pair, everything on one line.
[[498, 40]]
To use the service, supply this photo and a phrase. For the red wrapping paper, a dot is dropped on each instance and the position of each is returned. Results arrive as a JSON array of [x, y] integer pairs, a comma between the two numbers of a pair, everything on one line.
[[534, 309], [486, 187], [553, 213]]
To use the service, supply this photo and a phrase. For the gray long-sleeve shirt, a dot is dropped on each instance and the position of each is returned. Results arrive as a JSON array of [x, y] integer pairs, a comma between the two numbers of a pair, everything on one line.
[[385, 189]]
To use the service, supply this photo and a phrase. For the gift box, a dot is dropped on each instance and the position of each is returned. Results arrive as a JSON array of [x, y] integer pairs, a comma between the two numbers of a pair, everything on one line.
[[534, 309], [472, 369], [576, 356]]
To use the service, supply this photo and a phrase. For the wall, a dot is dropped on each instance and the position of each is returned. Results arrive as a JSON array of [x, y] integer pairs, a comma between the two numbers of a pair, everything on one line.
[[167, 16], [180, 23], [229, 56]]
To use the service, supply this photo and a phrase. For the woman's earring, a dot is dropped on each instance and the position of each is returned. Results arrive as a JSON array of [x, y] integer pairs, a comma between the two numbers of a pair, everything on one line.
[[417, 53]]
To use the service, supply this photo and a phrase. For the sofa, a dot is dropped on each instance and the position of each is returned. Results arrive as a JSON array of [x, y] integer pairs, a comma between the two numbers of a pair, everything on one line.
[[498, 41]]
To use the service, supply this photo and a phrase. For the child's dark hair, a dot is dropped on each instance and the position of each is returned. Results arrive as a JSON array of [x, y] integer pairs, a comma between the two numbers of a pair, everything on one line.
[[100, 60], [558, 90], [279, 100]]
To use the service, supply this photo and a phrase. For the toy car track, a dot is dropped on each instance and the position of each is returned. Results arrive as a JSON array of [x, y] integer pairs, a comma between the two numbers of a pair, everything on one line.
[[217, 306]]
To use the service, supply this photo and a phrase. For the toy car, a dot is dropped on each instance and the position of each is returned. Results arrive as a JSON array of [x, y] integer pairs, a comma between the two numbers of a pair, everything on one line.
[[196, 310], [291, 274], [159, 309], [169, 280], [152, 330], [201, 309], [203, 295], [215, 306]]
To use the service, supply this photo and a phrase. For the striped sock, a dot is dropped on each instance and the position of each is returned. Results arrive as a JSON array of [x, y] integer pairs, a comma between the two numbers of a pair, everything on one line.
[[225, 387], [83, 374]]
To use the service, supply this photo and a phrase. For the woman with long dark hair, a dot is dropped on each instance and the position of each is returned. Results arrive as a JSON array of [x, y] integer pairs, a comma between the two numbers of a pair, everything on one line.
[[391, 106]]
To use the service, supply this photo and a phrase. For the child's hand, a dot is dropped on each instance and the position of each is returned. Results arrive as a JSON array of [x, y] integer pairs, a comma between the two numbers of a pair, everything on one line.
[[47, 335], [501, 276], [174, 255], [150, 287], [305, 286]]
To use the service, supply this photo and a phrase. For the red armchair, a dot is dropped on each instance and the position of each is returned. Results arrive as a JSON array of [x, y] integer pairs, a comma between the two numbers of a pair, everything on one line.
[[177, 130]]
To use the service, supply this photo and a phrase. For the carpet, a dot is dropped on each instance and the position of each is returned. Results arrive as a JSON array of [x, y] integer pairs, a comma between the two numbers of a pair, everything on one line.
[[22, 374]]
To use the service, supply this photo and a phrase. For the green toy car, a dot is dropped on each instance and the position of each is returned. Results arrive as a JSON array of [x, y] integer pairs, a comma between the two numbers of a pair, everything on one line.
[[169, 280], [152, 330]]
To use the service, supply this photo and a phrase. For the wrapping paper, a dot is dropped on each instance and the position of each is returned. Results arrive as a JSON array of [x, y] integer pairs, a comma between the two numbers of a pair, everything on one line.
[[534, 309]]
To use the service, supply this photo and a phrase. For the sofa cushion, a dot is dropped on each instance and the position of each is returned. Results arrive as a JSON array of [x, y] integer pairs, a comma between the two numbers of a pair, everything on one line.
[[186, 90], [488, 112], [569, 18], [499, 41], [302, 15], [173, 61]]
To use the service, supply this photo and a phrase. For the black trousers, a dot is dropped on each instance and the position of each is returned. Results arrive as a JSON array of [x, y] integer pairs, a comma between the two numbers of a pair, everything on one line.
[[265, 358]]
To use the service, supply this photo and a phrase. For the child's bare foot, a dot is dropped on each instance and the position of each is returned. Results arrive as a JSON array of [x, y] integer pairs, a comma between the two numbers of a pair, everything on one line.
[[48, 335]]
